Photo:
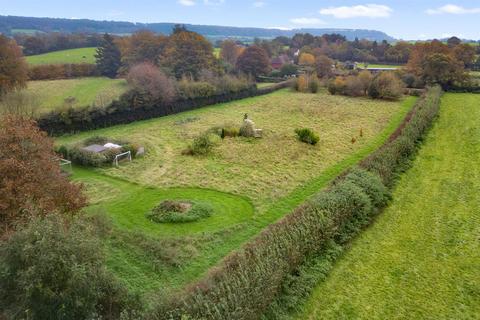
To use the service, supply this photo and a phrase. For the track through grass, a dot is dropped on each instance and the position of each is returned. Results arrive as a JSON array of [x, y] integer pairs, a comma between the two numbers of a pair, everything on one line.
[[421, 258]]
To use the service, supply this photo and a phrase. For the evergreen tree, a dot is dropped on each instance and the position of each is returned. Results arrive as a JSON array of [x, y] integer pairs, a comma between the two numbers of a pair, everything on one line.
[[108, 57]]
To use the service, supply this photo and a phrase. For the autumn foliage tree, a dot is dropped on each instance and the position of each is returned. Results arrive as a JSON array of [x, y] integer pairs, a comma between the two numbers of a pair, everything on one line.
[[31, 183], [230, 52], [436, 63], [187, 54], [150, 84], [254, 61], [142, 46], [13, 68]]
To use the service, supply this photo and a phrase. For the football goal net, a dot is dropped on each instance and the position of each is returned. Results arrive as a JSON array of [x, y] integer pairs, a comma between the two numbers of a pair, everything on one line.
[[66, 165], [126, 156]]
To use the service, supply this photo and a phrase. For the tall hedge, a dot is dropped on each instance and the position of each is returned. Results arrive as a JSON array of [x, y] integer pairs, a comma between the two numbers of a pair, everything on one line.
[[127, 110], [248, 280]]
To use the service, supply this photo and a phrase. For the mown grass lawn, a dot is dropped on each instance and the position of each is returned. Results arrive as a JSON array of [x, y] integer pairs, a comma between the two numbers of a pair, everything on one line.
[[80, 55], [51, 94], [421, 259], [256, 181]]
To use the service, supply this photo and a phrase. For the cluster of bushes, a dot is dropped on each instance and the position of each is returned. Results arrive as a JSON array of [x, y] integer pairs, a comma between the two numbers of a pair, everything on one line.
[[307, 83], [248, 280], [54, 269], [61, 71], [201, 145], [78, 155], [307, 135], [385, 85], [180, 212]]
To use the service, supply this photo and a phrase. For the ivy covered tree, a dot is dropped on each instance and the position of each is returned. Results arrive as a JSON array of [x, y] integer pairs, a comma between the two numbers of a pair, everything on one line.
[[108, 57], [13, 68]]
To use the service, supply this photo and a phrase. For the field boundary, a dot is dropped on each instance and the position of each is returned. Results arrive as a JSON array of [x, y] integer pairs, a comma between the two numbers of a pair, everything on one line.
[[123, 111]]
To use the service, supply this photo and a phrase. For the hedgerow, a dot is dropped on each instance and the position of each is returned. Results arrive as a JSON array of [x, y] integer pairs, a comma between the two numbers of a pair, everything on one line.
[[132, 106], [269, 267]]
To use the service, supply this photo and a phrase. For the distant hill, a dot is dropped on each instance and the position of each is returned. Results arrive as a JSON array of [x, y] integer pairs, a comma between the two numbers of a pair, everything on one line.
[[12, 24]]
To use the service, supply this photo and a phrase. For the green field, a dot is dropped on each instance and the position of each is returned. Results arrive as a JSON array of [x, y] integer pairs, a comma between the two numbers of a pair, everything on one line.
[[250, 183], [81, 55], [51, 94], [421, 259], [374, 65]]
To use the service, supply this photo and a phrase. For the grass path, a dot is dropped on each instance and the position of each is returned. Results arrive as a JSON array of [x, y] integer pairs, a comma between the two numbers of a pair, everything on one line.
[[421, 259]]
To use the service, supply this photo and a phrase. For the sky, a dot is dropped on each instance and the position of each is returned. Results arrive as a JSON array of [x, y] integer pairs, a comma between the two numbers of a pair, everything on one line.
[[403, 19]]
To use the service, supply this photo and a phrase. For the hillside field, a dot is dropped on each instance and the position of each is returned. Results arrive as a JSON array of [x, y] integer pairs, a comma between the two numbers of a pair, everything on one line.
[[250, 183], [51, 94], [81, 55], [420, 260]]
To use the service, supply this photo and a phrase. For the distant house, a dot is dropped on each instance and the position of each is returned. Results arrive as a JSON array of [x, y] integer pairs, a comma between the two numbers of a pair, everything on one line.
[[349, 65]]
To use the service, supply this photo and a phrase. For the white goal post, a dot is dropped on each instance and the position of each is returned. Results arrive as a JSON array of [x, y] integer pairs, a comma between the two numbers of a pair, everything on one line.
[[65, 164], [125, 155]]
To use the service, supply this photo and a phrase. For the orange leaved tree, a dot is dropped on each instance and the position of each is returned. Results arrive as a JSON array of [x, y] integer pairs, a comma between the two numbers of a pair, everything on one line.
[[31, 182]]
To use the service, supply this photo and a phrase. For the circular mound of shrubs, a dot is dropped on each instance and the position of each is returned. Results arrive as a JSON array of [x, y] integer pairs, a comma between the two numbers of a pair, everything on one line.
[[179, 212]]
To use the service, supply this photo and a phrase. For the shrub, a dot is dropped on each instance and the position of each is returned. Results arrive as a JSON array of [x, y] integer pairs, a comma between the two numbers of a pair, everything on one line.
[[337, 86], [180, 212], [288, 69], [314, 84], [229, 132], [386, 85], [189, 89], [55, 270], [307, 83], [151, 84], [307, 135], [201, 145]]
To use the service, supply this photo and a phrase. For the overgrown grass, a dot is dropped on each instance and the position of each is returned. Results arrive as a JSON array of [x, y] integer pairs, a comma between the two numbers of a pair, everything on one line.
[[81, 55], [275, 173], [420, 259], [51, 94]]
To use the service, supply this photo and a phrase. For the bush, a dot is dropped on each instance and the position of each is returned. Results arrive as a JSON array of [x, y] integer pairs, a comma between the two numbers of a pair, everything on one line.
[[189, 89], [229, 132], [387, 86], [180, 212], [288, 69], [337, 86], [201, 145], [307, 83], [151, 84], [307, 135], [55, 270]]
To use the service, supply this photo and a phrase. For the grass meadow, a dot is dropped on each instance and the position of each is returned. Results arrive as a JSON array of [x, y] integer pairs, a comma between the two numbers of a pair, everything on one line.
[[249, 182], [51, 94], [81, 55], [420, 260]]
